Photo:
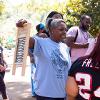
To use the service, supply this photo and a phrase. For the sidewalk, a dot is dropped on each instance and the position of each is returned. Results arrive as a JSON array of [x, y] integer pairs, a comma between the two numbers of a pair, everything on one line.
[[18, 87]]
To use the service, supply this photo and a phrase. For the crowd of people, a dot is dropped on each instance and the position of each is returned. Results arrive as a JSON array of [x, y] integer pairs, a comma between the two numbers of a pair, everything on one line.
[[61, 67], [64, 68]]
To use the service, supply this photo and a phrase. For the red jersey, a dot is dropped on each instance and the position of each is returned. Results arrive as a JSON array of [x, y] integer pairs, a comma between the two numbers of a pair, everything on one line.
[[87, 77]]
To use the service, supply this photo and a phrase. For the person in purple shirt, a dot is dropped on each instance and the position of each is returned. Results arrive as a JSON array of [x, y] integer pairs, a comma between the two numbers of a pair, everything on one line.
[[78, 36]]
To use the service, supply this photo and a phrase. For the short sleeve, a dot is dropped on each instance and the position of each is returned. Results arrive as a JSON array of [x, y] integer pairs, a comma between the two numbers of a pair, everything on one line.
[[72, 31], [69, 59]]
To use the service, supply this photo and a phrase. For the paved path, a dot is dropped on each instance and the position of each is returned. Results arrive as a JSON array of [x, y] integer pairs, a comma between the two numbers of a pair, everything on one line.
[[18, 87]]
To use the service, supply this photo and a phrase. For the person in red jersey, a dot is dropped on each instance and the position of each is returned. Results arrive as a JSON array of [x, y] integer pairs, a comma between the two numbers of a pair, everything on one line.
[[84, 76]]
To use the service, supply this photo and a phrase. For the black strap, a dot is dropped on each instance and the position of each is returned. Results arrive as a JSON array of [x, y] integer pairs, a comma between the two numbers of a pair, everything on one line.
[[74, 41], [76, 36]]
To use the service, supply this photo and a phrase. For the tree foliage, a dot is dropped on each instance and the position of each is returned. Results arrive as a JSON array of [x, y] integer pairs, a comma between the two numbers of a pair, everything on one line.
[[2, 7], [75, 8], [72, 12], [93, 9]]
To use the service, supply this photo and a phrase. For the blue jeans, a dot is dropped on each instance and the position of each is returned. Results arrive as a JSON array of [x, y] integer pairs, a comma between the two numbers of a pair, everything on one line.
[[32, 78]]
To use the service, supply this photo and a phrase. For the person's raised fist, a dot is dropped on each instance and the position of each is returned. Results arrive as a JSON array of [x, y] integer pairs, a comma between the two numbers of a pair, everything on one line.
[[21, 23]]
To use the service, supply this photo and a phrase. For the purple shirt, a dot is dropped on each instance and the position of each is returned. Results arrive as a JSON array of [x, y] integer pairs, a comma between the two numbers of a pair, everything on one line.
[[82, 38]]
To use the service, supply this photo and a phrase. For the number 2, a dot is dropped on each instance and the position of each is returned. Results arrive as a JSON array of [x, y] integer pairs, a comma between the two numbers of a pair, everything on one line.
[[85, 81]]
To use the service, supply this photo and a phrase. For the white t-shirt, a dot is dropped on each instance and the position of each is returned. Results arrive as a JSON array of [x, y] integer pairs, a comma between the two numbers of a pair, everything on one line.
[[51, 68]]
